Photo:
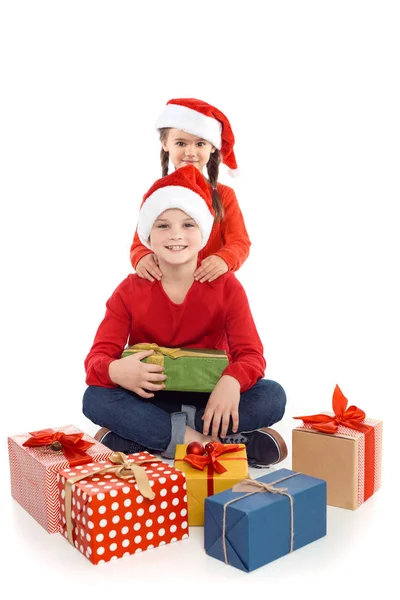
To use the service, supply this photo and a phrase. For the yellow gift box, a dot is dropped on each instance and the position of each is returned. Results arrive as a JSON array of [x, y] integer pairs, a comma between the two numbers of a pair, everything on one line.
[[203, 483]]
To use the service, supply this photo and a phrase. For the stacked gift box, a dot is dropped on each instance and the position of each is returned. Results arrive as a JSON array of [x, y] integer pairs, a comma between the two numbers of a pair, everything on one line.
[[105, 503], [37, 457]]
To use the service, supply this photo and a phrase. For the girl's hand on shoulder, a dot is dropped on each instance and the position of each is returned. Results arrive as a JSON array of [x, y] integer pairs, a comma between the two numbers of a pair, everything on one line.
[[211, 268], [138, 377], [147, 268], [222, 405]]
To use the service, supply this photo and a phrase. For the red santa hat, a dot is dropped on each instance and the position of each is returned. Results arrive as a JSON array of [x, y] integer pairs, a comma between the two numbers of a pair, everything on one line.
[[205, 121], [185, 189]]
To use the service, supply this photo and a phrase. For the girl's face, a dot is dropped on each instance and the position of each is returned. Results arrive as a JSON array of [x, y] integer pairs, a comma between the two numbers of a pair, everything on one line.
[[175, 237], [187, 149]]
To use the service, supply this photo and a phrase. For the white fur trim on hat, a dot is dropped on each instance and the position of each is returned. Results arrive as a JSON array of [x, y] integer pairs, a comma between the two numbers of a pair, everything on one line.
[[174, 196], [191, 121], [234, 172]]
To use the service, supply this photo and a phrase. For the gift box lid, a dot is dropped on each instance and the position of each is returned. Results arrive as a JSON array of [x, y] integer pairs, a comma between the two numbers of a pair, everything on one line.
[[157, 471], [175, 353], [342, 430], [258, 526]]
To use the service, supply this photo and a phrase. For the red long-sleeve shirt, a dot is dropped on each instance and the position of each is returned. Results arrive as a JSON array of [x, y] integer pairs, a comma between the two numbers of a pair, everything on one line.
[[213, 315], [229, 238]]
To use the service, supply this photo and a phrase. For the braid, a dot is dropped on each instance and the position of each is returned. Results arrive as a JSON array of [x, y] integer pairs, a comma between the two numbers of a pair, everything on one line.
[[213, 170], [164, 156], [164, 162]]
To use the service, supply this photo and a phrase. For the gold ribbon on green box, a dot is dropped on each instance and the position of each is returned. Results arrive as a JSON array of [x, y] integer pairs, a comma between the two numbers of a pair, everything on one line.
[[187, 369]]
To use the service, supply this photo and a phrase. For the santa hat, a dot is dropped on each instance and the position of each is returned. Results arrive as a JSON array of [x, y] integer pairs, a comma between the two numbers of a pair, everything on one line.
[[205, 121], [186, 189]]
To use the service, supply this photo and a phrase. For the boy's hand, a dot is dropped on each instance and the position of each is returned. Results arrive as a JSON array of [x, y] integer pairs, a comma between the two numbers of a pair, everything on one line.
[[133, 375], [147, 268], [222, 404], [210, 268]]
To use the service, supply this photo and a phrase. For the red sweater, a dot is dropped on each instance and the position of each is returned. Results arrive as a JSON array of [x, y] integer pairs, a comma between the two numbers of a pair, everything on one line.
[[213, 315], [229, 238]]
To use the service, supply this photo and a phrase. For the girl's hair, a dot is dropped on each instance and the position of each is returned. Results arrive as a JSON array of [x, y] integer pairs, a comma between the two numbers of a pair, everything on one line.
[[212, 170]]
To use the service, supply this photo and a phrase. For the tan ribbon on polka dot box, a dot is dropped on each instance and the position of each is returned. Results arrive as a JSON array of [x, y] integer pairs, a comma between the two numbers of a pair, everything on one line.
[[112, 517]]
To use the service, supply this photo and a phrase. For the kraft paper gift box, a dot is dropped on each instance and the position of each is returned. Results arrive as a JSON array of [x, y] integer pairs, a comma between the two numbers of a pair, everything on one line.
[[214, 472], [34, 468], [251, 524], [187, 369], [345, 449], [122, 506]]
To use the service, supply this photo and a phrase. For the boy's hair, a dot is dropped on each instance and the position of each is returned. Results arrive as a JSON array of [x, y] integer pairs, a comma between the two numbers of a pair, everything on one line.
[[212, 170]]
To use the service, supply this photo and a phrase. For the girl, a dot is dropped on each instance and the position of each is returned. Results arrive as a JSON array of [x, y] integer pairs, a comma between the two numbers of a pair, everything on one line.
[[194, 132], [125, 396]]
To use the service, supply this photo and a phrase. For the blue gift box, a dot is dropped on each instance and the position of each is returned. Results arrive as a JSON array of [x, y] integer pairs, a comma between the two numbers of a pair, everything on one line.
[[263, 526]]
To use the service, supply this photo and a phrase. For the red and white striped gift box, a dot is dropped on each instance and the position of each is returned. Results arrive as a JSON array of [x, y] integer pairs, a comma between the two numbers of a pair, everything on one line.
[[34, 471], [109, 516]]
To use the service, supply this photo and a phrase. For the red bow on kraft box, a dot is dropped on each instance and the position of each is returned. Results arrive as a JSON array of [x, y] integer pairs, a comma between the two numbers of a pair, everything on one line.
[[353, 418], [71, 444], [213, 450]]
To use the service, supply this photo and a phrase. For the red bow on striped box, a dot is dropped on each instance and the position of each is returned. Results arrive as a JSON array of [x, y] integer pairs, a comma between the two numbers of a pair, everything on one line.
[[71, 444], [34, 465]]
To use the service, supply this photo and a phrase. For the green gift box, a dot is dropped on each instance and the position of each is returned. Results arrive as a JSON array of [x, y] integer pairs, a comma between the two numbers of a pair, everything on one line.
[[187, 369]]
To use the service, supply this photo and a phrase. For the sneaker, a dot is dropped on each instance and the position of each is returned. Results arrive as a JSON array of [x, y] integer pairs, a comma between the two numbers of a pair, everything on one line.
[[264, 447], [116, 442]]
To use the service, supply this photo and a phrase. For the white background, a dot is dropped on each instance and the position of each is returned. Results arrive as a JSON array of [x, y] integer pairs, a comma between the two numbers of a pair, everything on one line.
[[312, 93]]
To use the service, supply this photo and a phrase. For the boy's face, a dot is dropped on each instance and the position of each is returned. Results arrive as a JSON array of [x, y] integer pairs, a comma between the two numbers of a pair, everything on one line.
[[187, 149], [175, 237]]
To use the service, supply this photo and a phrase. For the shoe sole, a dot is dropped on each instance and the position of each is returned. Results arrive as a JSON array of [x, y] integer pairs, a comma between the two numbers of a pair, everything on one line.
[[279, 442], [101, 434]]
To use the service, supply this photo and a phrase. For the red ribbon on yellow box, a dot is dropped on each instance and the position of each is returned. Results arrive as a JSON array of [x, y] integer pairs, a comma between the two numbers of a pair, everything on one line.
[[71, 444], [210, 460], [353, 418]]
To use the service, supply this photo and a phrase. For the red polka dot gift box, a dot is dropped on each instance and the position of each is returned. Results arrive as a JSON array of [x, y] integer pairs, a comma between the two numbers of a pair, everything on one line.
[[122, 506], [35, 459]]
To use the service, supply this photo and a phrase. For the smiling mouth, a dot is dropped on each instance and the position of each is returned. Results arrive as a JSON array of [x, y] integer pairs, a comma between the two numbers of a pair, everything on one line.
[[176, 248]]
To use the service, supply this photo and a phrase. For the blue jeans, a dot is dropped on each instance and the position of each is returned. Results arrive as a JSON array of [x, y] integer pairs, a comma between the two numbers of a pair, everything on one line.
[[150, 422]]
